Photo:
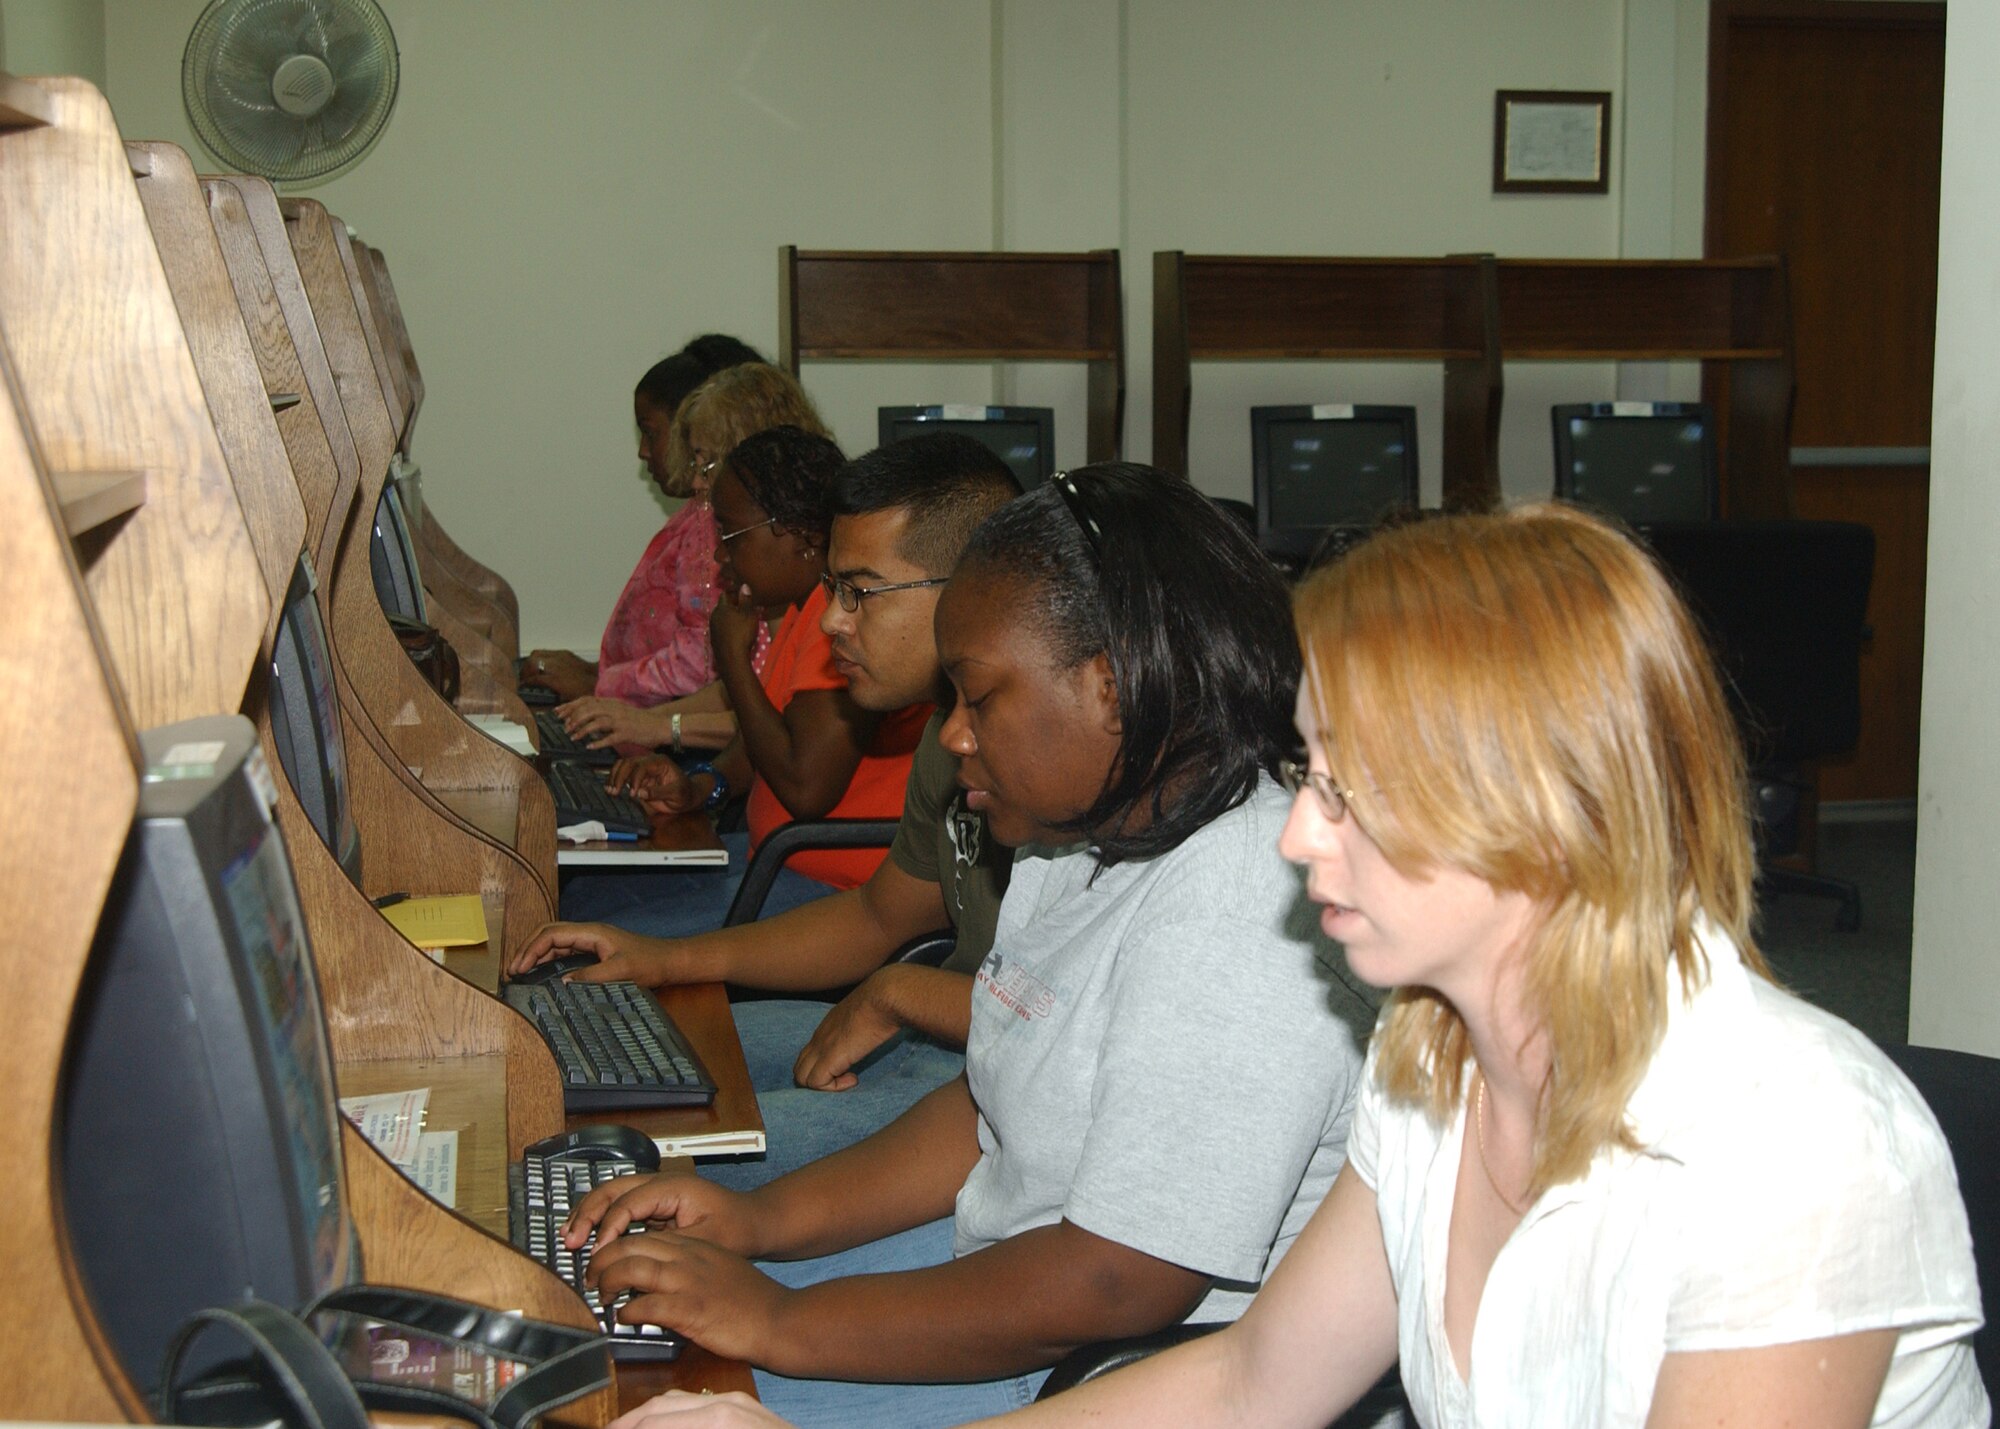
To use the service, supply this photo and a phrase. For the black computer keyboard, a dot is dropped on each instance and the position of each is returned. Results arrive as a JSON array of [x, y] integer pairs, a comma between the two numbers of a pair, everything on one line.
[[580, 795], [558, 743], [615, 1047], [553, 1176], [538, 697]]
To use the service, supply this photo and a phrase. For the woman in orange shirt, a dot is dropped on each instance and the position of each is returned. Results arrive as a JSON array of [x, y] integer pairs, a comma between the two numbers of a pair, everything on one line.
[[803, 749]]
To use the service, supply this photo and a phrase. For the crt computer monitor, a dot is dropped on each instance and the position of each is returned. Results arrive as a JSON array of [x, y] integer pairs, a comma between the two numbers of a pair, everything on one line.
[[1313, 468], [200, 1148], [1640, 461], [1023, 437], [392, 559], [305, 721]]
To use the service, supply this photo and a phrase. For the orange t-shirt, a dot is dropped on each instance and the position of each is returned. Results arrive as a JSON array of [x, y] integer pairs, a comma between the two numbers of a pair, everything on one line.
[[800, 659]]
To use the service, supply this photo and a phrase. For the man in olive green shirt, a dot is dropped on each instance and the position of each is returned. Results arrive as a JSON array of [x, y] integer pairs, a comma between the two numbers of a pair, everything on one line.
[[903, 516]]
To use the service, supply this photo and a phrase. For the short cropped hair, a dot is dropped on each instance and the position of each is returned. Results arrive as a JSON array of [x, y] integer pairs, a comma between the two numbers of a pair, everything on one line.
[[787, 472], [948, 483], [1536, 707], [668, 382], [1133, 563], [718, 350], [733, 404]]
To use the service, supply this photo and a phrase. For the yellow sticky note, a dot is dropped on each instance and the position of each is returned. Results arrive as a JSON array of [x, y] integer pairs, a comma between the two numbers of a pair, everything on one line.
[[455, 920]]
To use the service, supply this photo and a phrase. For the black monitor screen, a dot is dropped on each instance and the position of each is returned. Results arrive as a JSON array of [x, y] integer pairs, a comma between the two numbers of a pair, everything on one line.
[[1655, 466], [1023, 437], [200, 1151], [392, 560], [305, 720], [1340, 466]]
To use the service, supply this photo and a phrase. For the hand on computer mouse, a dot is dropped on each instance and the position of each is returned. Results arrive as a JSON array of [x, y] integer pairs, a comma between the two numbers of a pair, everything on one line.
[[556, 967], [592, 942]]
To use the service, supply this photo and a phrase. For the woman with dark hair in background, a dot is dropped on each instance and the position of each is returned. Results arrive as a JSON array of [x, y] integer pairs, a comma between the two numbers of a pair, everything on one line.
[[803, 749], [1162, 1056], [655, 644]]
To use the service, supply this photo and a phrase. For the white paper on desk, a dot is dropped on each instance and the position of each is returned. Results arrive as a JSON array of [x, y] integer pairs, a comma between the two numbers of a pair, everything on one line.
[[589, 831], [392, 1121], [435, 1166], [506, 731]]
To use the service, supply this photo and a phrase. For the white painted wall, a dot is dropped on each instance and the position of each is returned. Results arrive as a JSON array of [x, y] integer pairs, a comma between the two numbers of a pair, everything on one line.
[[1955, 974], [568, 191]]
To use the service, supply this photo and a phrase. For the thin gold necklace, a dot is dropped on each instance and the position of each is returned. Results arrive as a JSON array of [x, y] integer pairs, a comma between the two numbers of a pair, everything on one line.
[[1479, 1135]]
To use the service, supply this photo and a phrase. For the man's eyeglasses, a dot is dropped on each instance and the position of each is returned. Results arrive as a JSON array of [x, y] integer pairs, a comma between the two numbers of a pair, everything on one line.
[[851, 595], [726, 537], [1332, 798]]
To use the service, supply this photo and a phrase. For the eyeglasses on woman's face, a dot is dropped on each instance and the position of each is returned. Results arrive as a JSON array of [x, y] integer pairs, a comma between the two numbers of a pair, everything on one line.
[[1332, 798], [725, 537], [851, 595]]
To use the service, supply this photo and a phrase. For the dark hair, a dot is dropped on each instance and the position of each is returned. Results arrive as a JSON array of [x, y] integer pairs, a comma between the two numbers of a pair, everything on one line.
[[787, 472], [1134, 563], [668, 382], [948, 483], [716, 350]]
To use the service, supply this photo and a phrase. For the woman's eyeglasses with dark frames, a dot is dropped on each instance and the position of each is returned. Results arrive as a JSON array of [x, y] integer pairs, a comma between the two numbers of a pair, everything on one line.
[[726, 537]]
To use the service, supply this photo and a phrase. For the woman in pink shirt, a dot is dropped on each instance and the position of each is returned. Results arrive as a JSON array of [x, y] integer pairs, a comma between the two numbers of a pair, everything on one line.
[[655, 645]]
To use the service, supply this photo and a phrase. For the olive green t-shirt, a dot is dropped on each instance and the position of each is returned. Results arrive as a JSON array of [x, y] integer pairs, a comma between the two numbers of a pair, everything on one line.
[[941, 841]]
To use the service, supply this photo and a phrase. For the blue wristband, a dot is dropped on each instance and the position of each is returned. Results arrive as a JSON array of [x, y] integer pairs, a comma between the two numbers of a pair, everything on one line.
[[716, 796]]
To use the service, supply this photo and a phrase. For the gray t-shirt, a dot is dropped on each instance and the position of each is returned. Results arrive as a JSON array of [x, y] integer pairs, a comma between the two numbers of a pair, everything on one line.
[[1167, 1057]]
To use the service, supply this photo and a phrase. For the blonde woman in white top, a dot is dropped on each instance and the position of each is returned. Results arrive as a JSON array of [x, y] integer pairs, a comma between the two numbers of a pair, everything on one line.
[[1604, 1172]]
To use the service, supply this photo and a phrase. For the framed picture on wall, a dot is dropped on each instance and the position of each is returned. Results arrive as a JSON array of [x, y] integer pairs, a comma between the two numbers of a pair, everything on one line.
[[1551, 141]]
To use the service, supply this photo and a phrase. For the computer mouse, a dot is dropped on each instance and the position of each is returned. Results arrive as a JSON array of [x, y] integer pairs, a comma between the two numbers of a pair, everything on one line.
[[555, 968], [602, 1141]]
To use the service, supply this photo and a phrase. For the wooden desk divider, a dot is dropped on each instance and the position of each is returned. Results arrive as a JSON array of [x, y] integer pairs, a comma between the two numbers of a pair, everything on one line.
[[442, 586], [91, 308], [1733, 314], [1401, 309], [489, 786], [982, 307], [62, 828], [427, 845], [413, 844]]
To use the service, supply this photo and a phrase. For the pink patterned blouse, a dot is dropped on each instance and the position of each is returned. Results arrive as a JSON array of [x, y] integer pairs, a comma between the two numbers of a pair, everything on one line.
[[656, 643]]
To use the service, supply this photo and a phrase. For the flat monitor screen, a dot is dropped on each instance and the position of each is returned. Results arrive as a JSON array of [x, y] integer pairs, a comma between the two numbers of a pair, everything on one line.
[[392, 560], [1640, 461], [305, 720], [200, 1148], [1314, 468], [1023, 437]]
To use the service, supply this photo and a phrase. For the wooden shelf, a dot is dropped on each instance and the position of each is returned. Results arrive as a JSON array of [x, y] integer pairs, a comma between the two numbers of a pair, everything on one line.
[[963, 307], [89, 499], [23, 105]]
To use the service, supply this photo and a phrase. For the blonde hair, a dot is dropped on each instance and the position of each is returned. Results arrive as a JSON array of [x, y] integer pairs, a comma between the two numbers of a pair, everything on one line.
[[1540, 711], [735, 403]]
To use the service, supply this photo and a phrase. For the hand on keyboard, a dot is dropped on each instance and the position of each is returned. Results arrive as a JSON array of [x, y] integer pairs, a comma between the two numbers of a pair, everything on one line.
[[601, 723], [712, 1296], [657, 782], [623, 956], [733, 1220]]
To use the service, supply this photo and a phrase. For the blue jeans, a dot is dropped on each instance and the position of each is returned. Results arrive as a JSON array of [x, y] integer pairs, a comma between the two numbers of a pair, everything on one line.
[[678, 902], [838, 1404], [801, 1126]]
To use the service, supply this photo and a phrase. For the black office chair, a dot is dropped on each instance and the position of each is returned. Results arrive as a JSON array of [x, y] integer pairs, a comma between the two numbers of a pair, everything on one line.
[[1784, 604], [787, 840], [1963, 1090], [1080, 1366]]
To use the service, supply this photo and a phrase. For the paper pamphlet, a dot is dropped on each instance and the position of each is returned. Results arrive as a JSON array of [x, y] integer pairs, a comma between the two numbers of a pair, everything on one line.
[[457, 920], [392, 1121], [435, 1169]]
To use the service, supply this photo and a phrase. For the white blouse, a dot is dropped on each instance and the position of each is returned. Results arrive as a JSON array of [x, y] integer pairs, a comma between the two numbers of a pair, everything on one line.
[[1791, 1186]]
